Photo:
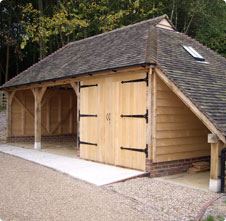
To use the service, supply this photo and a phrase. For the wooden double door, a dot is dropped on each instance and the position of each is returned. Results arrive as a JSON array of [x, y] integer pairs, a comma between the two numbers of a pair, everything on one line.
[[113, 119]]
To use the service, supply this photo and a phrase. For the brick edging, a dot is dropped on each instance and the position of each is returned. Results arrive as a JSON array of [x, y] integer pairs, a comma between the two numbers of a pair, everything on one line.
[[57, 138], [171, 167]]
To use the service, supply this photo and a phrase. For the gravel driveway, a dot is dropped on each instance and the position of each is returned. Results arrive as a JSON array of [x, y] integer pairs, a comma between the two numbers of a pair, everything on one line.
[[31, 192]]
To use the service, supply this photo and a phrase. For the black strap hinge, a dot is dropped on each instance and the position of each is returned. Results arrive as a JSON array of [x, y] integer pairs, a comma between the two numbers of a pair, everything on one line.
[[86, 143], [137, 149], [87, 115], [86, 85], [137, 80], [145, 116]]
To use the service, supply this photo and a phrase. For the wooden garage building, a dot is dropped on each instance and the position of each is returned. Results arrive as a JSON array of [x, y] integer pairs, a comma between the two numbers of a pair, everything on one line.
[[143, 96]]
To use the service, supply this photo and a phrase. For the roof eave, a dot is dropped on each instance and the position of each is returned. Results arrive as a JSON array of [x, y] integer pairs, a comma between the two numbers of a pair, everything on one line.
[[115, 69]]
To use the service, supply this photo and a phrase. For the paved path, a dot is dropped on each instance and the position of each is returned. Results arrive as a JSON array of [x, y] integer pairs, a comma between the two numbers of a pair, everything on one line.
[[95, 173]]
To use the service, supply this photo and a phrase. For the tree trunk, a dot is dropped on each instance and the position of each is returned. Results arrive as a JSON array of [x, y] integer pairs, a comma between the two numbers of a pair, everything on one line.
[[41, 43]]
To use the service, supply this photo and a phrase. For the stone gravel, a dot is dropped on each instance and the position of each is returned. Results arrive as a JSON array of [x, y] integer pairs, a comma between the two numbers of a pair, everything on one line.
[[217, 209], [2, 126], [162, 200], [31, 192]]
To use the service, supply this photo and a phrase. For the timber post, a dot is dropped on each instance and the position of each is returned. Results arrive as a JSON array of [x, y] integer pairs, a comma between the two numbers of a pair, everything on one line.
[[215, 169], [10, 96], [38, 95], [75, 86]]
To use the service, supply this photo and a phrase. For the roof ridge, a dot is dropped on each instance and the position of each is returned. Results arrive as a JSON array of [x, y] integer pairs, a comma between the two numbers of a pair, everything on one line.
[[148, 55]]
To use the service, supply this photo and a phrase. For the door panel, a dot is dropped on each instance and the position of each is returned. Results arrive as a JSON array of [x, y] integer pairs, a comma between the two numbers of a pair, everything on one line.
[[89, 145], [132, 125], [111, 138]]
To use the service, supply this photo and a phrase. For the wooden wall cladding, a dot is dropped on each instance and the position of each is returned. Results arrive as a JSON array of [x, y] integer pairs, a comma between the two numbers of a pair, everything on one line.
[[58, 112], [179, 133]]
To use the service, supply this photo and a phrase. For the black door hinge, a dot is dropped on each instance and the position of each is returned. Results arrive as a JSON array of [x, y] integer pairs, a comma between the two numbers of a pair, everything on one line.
[[137, 80], [87, 115], [86, 143], [86, 85], [145, 116], [137, 150]]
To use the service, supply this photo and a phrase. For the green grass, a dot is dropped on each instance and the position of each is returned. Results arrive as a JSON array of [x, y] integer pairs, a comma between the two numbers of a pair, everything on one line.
[[2, 108], [212, 218]]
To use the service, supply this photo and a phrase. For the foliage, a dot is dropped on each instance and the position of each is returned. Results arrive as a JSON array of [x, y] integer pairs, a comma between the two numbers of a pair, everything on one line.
[[30, 30]]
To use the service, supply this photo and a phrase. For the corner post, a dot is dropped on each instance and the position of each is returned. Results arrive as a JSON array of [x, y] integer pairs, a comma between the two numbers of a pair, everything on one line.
[[10, 96], [38, 95], [215, 168], [75, 86]]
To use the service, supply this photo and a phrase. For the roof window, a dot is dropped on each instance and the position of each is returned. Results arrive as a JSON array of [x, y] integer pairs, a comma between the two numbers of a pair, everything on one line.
[[194, 53]]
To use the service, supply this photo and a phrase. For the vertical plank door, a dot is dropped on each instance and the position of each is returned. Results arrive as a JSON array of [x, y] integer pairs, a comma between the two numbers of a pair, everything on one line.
[[89, 116], [131, 121], [95, 120]]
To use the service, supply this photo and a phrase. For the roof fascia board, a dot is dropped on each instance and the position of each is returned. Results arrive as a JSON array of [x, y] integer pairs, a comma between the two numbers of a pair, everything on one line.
[[68, 79], [190, 104]]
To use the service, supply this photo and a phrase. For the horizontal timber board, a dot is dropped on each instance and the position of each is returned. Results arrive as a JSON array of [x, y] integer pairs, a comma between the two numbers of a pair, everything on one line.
[[180, 134], [178, 126], [176, 141], [176, 119], [181, 148], [180, 156], [172, 110], [160, 102]]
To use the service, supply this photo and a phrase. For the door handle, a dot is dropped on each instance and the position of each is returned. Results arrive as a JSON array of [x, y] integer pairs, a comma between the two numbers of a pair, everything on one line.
[[108, 116]]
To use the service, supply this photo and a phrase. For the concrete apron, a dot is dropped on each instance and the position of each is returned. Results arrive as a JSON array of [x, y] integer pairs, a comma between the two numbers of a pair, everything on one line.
[[91, 172]]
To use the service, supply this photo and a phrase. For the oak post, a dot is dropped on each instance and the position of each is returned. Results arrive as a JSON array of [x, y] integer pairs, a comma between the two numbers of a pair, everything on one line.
[[75, 86], [10, 96], [216, 147], [38, 95], [149, 106]]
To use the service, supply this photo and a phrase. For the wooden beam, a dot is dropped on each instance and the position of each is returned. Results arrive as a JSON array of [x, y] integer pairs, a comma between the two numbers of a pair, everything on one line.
[[59, 113], [190, 105], [62, 121], [76, 78], [215, 159], [48, 96], [149, 101], [75, 86], [26, 109], [10, 96], [38, 95], [71, 115], [215, 163], [23, 123], [153, 115]]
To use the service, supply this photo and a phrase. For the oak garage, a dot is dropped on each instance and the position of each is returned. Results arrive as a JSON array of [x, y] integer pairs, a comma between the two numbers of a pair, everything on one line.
[[143, 96]]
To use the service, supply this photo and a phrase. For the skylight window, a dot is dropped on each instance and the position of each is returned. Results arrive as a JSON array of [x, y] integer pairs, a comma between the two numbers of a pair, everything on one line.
[[194, 53]]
